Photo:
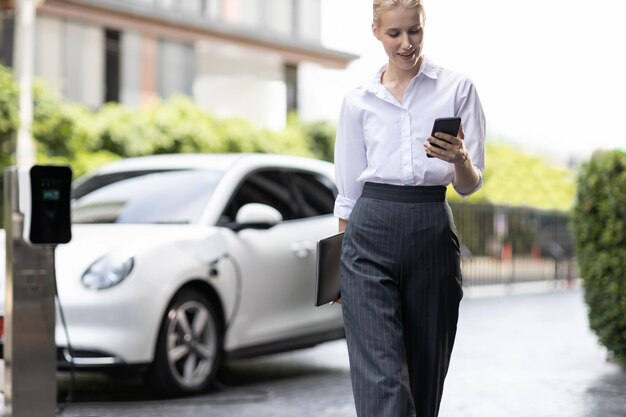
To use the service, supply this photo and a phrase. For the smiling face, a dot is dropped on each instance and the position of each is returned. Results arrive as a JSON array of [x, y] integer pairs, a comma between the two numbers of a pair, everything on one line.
[[401, 31]]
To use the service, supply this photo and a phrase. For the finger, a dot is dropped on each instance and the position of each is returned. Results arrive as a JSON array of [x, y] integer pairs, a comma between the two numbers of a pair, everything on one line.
[[443, 154], [440, 141], [461, 133], [445, 137], [433, 151]]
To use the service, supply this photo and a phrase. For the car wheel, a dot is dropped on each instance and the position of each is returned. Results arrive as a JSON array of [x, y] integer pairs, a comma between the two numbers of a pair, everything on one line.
[[189, 346]]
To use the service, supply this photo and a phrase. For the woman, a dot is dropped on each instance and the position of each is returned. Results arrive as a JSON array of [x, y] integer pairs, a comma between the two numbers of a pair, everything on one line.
[[400, 265]]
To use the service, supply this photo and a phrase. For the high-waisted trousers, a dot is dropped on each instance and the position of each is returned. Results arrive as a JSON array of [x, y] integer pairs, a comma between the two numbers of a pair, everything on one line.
[[400, 288]]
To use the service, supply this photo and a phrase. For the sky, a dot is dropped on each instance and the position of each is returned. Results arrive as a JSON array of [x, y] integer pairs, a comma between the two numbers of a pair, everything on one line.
[[551, 74]]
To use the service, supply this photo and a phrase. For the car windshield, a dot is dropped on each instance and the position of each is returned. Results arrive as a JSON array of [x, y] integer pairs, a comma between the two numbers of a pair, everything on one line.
[[157, 197]]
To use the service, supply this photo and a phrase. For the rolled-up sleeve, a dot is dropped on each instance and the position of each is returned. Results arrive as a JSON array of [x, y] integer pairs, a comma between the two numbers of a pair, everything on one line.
[[350, 159], [474, 128]]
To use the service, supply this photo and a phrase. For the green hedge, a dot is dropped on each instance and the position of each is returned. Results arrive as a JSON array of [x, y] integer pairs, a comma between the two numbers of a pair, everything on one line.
[[599, 225], [8, 125], [8, 115], [67, 133]]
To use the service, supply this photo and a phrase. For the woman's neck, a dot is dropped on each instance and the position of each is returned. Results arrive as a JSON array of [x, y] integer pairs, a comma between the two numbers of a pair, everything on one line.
[[396, 80]]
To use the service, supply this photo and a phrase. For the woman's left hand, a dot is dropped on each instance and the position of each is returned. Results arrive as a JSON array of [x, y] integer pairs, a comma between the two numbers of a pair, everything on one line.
[[452, 148]]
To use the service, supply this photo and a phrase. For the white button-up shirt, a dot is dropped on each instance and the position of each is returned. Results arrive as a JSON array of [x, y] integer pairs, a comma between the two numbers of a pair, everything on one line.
[[381, 140]]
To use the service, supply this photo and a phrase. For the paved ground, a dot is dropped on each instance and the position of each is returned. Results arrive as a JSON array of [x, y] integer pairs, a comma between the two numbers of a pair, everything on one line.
[[528, 355], [531, 355]]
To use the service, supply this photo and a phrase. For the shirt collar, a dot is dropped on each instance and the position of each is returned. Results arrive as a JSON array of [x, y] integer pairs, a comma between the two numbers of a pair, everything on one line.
[[427, 68]]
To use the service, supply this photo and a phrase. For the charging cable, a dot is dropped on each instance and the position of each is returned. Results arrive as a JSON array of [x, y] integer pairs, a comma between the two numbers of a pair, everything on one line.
[[70, 391]]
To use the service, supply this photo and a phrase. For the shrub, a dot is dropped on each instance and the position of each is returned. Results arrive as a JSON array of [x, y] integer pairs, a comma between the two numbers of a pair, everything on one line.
[[321, 137], [61, 130], [8, 115], [8, 126], [599, 226]]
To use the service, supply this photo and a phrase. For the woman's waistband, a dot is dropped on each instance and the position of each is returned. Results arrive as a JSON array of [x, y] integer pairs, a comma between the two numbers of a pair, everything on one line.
[[404, 193]]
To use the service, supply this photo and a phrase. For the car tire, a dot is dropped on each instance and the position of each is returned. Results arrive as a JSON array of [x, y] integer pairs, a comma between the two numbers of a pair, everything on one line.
[[189, 346]]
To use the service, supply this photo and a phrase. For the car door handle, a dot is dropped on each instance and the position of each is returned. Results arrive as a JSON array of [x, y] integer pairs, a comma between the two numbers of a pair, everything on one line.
[[302, 249]]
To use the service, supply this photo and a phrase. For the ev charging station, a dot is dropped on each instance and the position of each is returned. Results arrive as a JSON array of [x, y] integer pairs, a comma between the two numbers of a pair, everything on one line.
[[36, 219]]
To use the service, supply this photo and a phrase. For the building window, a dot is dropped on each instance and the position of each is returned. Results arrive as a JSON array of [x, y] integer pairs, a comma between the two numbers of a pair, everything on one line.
[[245, 13], [176, 68], [112, 65], [73, 41], [83, 66], [6, 37], [278, 17], [50, 52], [308, 18], [144, 2], [291, 81], [212, 9], [197, 7]]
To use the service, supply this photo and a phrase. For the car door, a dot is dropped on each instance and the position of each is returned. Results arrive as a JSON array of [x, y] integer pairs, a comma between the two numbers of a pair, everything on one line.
[[270, 261], [315, 194]]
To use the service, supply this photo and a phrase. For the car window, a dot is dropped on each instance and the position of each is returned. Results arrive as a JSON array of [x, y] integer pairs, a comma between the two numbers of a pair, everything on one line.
[[170, 197], [316, 193], [263, 187], [85, 185]]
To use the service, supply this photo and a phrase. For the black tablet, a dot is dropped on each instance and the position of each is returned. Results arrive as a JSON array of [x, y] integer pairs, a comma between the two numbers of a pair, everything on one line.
[[327, 278]]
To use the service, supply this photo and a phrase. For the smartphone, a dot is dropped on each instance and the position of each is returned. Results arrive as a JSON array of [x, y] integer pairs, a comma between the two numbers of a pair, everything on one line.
[[449, 125]]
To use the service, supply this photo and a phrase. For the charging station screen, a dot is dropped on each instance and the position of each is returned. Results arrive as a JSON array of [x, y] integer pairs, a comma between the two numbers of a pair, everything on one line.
[[50, 204], [51, 195], [50, 190]]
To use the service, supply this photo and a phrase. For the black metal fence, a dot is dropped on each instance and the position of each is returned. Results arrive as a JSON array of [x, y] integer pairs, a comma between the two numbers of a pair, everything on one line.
[[503, 244]]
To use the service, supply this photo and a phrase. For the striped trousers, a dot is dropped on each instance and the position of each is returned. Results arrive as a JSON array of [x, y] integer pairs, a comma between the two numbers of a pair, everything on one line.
[[400, 288]]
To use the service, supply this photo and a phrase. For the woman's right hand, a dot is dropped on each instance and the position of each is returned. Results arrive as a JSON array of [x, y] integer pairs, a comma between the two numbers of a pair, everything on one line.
[[342, 225], [342, 228]]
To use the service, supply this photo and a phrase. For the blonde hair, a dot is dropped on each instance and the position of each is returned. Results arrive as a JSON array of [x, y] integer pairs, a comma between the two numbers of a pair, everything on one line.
[[381, 6]]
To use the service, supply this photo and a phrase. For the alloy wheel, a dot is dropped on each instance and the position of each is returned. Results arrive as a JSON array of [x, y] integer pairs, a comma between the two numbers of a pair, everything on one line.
[[192, 343]]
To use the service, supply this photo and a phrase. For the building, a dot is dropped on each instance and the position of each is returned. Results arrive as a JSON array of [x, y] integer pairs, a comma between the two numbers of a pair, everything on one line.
[[234, 57]]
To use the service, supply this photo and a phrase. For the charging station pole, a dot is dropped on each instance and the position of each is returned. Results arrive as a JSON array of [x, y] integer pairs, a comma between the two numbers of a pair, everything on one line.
[[30, 383]]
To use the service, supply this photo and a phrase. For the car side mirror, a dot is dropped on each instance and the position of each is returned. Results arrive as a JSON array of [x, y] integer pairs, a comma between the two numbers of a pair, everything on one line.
[[257, 216]]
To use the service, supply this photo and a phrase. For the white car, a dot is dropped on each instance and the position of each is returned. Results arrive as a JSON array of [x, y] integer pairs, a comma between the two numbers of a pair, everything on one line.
[[178, 262]]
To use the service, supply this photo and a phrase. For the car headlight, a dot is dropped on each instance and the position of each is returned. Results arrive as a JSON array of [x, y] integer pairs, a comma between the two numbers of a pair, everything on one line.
[[107, 271]]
